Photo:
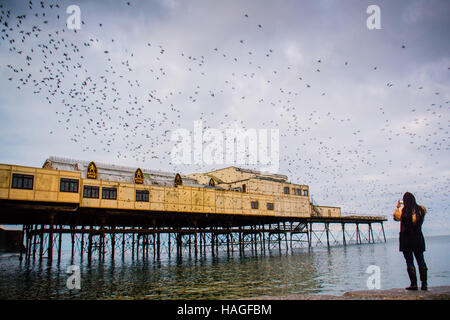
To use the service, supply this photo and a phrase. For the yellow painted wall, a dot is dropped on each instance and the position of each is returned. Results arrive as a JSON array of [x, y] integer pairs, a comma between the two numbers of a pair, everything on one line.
[[45, 185], [182, 198], [329, 211], [157, 198], [5, 181], [269, 187]]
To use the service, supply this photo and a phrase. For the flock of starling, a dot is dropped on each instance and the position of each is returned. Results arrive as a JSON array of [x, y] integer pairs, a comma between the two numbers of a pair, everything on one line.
[[107, 101]]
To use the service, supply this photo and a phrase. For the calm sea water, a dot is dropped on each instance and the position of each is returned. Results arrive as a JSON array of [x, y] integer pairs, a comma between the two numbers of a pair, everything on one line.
[[226, 276]]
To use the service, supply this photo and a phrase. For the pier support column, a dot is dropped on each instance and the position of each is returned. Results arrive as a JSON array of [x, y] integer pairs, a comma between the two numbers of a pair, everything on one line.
[[41, 244], [279, 237], [132, 243], [154, 241], [138, 237], [179, 243], [59, 243], [82, 243], [113, 241], [169, 242], [90, 243], [285, 235], [29, 241], [290, 234], [212, 242], [382, 228], [200, 242], [195, 237], [158, 244], [263, 236], [310, 235], [102, 240], [72, 235], [240, 239], [22, 237], [123, 243], [35, 231], [50, 238], [358, 236], [228, 240], [343, 235]]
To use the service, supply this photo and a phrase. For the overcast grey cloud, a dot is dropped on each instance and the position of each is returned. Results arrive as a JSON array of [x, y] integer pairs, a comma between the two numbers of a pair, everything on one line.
[[363, 114]]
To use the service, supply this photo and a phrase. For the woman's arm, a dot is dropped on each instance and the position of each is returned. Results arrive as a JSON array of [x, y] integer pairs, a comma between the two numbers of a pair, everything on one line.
[[424, 210], [398, 212]]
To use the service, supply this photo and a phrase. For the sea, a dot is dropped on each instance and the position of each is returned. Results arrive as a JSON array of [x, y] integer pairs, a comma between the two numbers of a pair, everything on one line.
[[226, 275]]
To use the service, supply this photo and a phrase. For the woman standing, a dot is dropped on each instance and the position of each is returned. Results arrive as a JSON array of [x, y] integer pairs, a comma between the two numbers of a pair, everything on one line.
[[412, 242]]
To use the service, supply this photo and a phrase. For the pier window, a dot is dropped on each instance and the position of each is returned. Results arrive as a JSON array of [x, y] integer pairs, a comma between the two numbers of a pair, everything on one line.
[[298, 192], [305, 193], [286, 190], [142, 195], [22, 181], [254, 204], [109, 193], [68, 185], [270, 206], [90, 192]]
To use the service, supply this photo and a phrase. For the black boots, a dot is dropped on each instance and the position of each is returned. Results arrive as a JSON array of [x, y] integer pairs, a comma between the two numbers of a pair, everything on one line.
[[413, 277], [423, 277]]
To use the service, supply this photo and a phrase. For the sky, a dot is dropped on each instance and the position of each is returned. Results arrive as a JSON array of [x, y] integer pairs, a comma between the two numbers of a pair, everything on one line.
[[361, 114]]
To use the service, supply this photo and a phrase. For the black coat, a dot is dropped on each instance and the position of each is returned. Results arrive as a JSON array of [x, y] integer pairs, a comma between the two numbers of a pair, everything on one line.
[[411, 237]]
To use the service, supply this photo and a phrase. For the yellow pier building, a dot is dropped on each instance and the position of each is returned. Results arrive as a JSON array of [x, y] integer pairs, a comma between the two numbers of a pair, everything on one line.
[[230, 191], [94, 201]]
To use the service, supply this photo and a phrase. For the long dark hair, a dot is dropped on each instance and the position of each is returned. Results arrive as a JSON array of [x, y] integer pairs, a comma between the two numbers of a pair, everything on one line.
[[411, 207]]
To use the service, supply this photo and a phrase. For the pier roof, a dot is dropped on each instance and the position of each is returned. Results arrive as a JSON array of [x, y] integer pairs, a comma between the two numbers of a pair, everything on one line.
[[233, 174], [110, 172]]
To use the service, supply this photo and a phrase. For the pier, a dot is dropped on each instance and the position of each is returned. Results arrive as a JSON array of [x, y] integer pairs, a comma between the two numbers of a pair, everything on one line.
[[98, 233], [107, 210]]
